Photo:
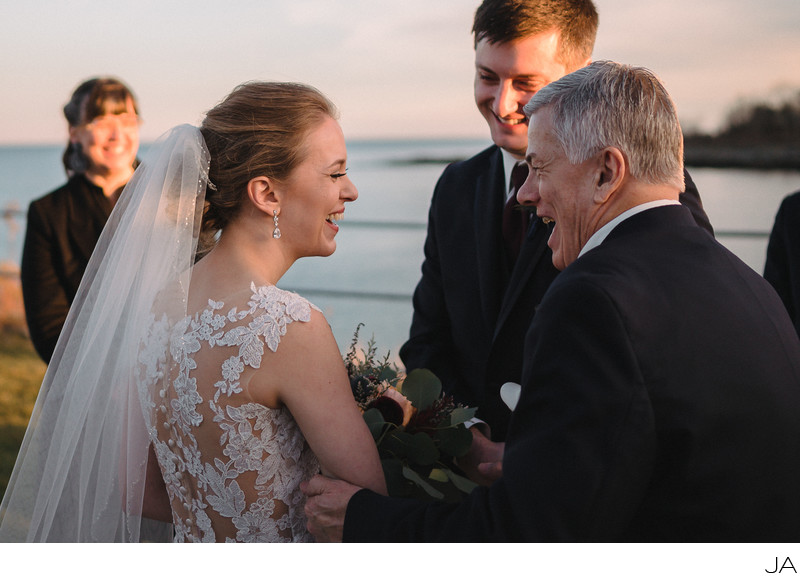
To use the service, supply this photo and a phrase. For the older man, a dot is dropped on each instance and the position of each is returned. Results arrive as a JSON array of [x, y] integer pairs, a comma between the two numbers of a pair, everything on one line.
[[661, 386]]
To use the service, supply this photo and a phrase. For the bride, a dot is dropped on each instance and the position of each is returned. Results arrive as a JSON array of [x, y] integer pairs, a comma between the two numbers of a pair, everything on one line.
[[196, 392]]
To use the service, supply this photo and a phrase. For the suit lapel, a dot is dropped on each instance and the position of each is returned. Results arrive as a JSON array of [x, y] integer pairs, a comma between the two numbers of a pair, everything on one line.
[[488, 240], [530, 254]]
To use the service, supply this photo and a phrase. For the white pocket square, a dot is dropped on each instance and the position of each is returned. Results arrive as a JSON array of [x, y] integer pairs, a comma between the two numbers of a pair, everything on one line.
[[509, 393]]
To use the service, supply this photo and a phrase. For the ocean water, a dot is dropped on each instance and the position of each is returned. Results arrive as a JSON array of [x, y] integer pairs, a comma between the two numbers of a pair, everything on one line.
[[373, 273]]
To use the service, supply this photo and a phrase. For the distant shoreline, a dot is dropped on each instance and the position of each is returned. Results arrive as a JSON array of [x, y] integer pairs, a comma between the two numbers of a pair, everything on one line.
[[700, 151], [714, 156], [757, 157]]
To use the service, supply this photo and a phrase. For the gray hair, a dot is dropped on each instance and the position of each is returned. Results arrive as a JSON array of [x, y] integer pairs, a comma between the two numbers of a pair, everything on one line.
[[607, 104]]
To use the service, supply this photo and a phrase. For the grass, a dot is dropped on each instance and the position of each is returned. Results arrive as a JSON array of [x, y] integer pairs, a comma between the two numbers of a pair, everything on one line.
[[20, 378]]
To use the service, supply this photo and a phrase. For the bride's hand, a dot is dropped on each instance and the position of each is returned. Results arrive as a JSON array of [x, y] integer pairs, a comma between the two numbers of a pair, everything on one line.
[[483, 463]]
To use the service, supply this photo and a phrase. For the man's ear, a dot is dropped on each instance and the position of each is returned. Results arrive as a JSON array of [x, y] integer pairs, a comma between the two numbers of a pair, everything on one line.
[[264, 195], [611, 170]]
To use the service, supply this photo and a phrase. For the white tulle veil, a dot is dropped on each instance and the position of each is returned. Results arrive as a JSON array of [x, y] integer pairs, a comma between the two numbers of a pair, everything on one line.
[[80, 472]]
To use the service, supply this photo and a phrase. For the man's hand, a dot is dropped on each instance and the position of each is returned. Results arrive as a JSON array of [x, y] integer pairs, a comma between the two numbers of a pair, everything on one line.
[[483, 463], [326, 506]]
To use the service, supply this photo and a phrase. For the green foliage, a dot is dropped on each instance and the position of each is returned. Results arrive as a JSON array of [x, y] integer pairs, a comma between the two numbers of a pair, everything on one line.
[[422, 388], [454, 440], [419, 432]]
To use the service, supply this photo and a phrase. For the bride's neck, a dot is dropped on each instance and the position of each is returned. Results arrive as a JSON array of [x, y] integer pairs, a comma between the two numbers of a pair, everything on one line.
[[242, 256]]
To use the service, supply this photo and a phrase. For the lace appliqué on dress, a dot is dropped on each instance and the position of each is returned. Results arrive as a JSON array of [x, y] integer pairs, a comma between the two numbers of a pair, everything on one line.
[[232, 466]]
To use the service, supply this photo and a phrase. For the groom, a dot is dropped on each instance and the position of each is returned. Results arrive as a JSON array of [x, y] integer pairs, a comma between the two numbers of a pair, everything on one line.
[[661, 385]]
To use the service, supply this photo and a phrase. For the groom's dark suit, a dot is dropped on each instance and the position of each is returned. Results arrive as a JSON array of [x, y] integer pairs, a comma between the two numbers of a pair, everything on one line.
[[471, 310], [660, 402]]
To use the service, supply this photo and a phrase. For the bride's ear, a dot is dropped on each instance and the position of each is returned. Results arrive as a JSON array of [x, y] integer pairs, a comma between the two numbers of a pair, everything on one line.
[[263, 194]]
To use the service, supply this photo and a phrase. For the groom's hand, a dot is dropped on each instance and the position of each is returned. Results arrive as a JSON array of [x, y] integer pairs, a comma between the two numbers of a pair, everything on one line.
[[326, 506]]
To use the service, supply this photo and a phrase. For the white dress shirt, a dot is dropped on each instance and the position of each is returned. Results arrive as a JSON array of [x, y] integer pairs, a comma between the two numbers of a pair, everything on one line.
[[509, 161]]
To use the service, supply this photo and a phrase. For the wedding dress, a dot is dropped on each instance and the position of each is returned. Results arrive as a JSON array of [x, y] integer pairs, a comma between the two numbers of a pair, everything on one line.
[[232, 466], [132, 368]]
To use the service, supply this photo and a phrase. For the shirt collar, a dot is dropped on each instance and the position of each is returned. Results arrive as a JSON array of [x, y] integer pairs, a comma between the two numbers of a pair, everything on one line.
[[597, 238]]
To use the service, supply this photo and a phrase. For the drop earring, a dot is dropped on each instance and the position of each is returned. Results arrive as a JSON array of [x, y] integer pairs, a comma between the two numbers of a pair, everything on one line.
[[276, 233]]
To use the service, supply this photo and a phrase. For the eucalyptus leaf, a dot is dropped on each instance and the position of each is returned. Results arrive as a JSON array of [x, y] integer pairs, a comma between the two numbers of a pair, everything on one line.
[[454, 441], [419, 481], [419, 448], [438, 475], [461, 415], [375, 422], [462, 483], [423, 450], [422, 388]]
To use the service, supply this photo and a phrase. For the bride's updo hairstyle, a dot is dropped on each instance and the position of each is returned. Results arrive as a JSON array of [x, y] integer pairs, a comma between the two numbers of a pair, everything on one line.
[[260, 129]]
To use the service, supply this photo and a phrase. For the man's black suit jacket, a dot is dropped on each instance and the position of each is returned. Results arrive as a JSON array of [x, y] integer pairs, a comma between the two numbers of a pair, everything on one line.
[[660, 402], [782, 267], [63, 229], [471, 310]]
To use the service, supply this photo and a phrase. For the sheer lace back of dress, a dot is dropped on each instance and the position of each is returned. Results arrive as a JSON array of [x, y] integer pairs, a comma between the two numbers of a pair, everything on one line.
[[232, 466]]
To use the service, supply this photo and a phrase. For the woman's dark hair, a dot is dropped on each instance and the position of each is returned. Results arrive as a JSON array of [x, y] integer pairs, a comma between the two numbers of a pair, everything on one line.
[[93, 98], [260, 129]]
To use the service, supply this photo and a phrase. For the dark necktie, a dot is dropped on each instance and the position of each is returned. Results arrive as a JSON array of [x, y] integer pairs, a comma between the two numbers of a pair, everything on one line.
[[515, 218]]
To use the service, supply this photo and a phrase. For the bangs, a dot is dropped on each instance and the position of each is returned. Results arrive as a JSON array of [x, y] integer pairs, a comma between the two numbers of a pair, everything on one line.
[[108, 99]]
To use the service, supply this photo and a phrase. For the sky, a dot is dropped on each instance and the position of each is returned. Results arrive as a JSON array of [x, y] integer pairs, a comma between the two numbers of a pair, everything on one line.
[[401, 68]]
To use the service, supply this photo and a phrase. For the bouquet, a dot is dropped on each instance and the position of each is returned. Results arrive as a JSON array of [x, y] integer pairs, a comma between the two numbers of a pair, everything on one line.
[[419, 431]]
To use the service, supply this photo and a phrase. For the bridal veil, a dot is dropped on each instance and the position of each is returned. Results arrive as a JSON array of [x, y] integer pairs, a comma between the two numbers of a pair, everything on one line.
[[80, 473]]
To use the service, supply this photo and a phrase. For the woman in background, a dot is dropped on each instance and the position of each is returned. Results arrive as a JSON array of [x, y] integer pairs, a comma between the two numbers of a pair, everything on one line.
[[187, 387], [64, 225]]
